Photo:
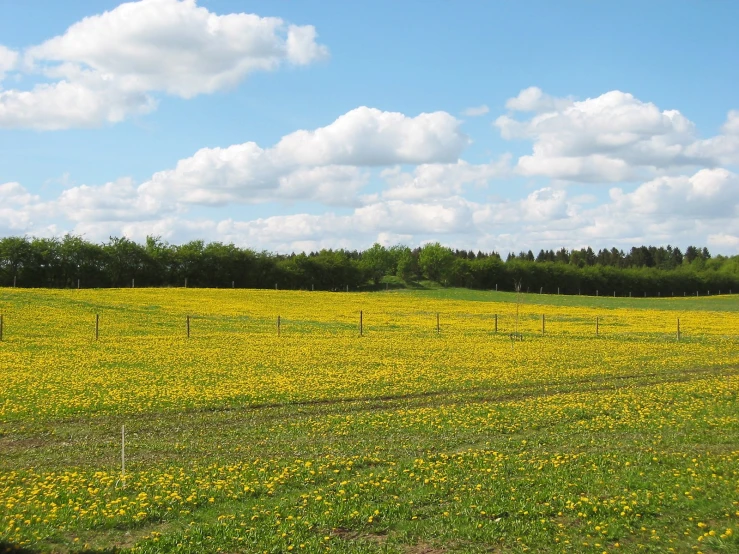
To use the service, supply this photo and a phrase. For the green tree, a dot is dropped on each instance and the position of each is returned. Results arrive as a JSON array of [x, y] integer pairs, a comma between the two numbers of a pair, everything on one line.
[[436, 261]]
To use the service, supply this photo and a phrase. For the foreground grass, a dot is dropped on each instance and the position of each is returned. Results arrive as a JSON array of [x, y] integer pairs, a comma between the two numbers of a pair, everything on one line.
[[401, 441]]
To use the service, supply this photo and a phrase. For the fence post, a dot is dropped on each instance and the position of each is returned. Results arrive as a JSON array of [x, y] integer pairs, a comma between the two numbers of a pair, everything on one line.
[[557, 291], [597, 331], [123, 456], [496, 323], [133, 283], [496, 287], [97, 326], [596, 292], [188, 326], [278, 326], [78, 284], [542, 324], [438, 328], [14, 278], [678, 329], [361, 323], [233, 284], [541, 289], [347, 288]]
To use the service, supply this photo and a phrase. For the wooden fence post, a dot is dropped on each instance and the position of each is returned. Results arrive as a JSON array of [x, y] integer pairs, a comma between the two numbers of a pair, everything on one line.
[[133, 283], [97, 326], [361, 323], [496, 323], [597, 331], [188, 326], [123, 456], [438, 328], [678, 328], [542, 324]]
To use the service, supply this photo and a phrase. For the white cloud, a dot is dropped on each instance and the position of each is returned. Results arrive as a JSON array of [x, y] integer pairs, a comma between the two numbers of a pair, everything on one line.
[[430, 181], [115, 201], [321, 165], [476, 111], [533, 99], [331, 166], [302, 48], [724, 241], [63, 104], [367, 136], [15, 193], [709, 193], [114, 61], [613, 137], [19, 209], [8, 60]]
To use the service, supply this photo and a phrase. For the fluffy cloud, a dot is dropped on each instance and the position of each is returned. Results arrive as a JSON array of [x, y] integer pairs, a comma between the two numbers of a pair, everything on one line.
[[368, 136], [63, 104], [710, 193], [533, 99], [112, 62], [440, 180], [332, 165], [19, 209], [322, 165], [8, 60], [613, 137], [476, 111]]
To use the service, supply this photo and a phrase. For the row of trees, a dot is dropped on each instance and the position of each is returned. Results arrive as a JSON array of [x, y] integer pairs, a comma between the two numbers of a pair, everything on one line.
[[63, 262]]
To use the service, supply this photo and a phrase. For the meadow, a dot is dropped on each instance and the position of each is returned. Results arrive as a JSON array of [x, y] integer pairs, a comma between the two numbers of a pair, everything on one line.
[[407, 439]]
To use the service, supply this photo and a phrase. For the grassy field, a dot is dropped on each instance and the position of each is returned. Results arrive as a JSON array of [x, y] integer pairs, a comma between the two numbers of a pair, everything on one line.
[[403, 440]]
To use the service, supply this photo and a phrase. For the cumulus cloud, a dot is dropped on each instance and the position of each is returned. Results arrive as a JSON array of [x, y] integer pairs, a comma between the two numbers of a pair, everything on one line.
[[476, 111], [19, 209], [323, 165], [436, 180], [419, 183], [610, 138], [368, 136], [8, 60], [708, 193], [63, 104], [119, 58], [533, 99]]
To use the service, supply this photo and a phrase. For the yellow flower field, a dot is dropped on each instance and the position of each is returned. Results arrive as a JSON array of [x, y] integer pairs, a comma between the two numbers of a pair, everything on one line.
[[318, 439]]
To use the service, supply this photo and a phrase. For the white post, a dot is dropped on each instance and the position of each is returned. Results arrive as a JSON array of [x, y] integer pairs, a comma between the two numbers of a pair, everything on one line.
[[123, 455]]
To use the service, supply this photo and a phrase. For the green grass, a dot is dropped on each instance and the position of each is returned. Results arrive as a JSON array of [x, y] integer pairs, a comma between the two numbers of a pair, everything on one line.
[[722, 303], [635, 459]]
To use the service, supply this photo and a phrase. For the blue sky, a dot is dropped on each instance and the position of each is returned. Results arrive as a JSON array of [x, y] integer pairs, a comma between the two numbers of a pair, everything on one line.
[[596, 124]]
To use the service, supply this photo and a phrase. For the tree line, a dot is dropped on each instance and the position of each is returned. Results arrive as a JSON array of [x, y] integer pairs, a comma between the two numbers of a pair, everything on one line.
[[72, 261]]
